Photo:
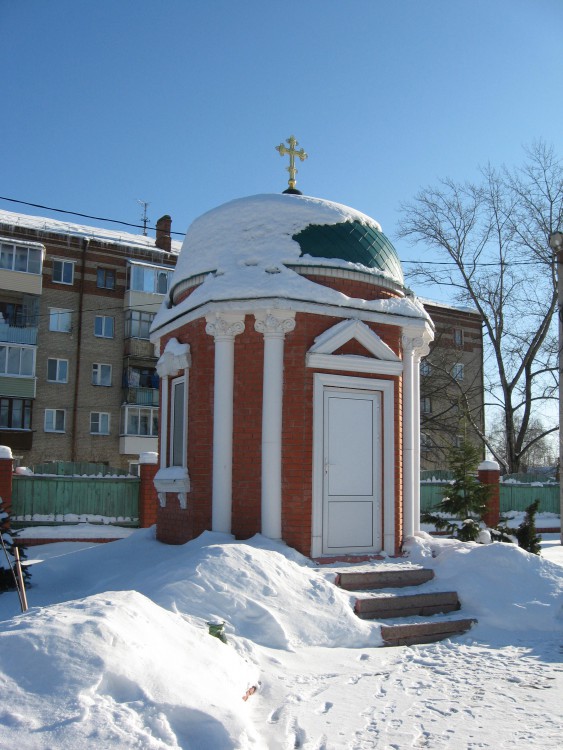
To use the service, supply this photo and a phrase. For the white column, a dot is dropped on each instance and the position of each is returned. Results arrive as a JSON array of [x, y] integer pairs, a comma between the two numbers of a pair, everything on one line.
[[223, 327], [408, 437], [413, 349], [416, 439], [164, 422], [274, 325]]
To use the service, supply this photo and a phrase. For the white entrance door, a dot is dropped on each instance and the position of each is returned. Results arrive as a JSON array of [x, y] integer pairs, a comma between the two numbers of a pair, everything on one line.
[[352, 471]]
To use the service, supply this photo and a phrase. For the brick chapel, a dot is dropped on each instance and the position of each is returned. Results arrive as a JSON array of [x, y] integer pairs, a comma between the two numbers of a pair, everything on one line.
[[289, 363]]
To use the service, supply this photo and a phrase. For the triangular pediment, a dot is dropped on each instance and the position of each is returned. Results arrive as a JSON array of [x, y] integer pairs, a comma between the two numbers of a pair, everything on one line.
[[380, 357], [334, 338]]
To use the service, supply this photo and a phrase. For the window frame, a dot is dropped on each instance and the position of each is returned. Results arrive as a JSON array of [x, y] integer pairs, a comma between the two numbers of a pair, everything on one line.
[[58, 366], [64, 264], [425, 405], [104, 274], [8, 358], [135, 321], [7, 407], [54, 413], [38, 262], [458, 372], [458, 337], [97, 374], [58, 313], [104, 319], [177, 454], [129, 408], [100, 415]]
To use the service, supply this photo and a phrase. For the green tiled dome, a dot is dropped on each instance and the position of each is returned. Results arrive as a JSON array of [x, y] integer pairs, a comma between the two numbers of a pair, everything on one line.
[[351, 241]]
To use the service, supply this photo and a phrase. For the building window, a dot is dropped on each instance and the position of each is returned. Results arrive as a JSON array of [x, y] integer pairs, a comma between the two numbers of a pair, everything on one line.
[[60, 320], [425, 367], [457, 372], [177, 426], [140, 420], [105, 278], [101, 374], [426, 405], [425, 442], [458, 337], [20, 258], [99, 423], [151, 279], [17, 360], [63, 271], [138, 324], [134, 470], [57, 370], [15, 413], [55, 420], [104, 326]]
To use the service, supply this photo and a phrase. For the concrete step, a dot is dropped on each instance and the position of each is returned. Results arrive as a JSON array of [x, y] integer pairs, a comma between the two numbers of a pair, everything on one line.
[[406, 605], [424, 632], [372, 579]]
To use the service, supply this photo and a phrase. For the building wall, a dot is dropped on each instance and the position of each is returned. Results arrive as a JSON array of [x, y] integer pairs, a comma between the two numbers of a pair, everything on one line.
[[454, 404]]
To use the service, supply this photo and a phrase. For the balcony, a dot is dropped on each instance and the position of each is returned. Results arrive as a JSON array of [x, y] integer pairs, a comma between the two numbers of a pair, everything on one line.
[[17, 440], [141, 396], [11, 334], [141, 348]]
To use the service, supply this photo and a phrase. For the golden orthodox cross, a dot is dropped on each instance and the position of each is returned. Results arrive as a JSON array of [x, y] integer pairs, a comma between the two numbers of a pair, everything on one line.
[[292, 154]]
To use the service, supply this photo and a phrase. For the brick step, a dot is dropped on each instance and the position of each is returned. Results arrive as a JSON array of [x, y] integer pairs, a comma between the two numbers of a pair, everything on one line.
[[372, 579], [424, 632], [406, 605]]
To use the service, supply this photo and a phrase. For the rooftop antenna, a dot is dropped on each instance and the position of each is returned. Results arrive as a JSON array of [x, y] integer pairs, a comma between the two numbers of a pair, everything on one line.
[[292, 151], [146, 219]]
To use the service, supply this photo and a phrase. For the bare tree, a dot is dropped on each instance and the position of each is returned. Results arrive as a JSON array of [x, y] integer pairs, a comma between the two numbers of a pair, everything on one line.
[[494, 239]]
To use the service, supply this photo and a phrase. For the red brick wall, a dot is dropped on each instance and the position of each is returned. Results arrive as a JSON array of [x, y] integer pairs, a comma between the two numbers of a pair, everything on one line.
[[148, 499], [175, 525]]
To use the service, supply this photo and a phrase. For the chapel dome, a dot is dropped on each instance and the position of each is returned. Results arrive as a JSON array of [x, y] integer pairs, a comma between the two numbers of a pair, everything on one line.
[[288, 229], [285, 246]]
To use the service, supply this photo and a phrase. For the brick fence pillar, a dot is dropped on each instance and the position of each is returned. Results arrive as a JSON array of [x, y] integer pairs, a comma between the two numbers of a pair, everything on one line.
[[488, 472], [148, 499], [6, 470]]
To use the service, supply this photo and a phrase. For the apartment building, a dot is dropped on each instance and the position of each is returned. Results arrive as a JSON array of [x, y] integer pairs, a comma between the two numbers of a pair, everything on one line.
[[77, 370], [451, 384]]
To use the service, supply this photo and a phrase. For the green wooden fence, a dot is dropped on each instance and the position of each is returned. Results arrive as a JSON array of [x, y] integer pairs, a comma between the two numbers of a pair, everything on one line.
[[512, 496], [62, 499]]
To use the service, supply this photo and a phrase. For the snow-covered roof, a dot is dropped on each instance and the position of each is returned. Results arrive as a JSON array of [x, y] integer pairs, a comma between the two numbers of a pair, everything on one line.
[[54, 226], [246, 249]]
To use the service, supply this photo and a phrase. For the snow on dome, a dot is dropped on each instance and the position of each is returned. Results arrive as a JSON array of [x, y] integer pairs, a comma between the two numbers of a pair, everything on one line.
[[247, 249]]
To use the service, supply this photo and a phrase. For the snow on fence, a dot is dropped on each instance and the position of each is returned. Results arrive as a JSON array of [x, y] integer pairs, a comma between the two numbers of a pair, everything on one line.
[[57, 497]]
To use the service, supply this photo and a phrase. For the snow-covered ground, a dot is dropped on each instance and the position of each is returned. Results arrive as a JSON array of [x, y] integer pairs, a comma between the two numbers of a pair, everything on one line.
[[115, 651]]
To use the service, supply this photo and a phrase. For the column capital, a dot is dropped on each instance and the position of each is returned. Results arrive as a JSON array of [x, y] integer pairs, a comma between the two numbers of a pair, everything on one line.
[[274, 323], [419, 345], [224, 326]]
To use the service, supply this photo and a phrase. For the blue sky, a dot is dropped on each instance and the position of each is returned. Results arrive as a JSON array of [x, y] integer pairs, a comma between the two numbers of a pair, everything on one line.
[[181, 102]]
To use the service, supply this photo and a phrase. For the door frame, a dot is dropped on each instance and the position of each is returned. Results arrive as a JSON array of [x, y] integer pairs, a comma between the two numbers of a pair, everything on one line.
[[321, 382]]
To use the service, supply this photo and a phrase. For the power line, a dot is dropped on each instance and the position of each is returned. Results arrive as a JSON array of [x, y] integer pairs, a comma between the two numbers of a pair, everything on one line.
[[83, 216], [144, 226]]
